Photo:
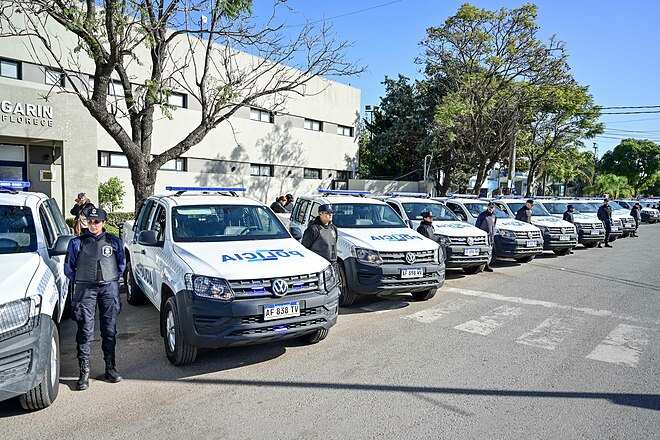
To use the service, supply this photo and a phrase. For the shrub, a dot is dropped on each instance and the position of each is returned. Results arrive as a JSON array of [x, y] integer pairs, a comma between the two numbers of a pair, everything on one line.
[[111, 194]]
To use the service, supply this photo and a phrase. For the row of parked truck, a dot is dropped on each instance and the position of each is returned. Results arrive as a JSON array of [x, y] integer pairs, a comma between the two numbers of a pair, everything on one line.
[[223, 270]]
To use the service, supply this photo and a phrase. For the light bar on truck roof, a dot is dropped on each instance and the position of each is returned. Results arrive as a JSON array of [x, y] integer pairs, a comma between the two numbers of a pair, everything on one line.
[[14, 184], [408, 194], [205, 189], [343, 192]]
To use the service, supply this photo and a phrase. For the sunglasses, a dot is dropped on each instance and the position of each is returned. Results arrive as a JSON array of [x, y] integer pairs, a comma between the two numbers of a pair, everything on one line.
[[95, 222]]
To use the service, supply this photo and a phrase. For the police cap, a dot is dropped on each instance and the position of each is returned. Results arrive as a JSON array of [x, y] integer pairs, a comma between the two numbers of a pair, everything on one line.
[[326, 208], [426, 213], [96, 214]]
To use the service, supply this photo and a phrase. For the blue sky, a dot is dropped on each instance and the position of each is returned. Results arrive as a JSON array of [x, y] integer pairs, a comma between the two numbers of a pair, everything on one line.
[[614, 47]]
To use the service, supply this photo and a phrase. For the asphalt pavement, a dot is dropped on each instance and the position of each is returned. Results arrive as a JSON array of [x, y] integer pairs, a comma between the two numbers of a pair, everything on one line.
[[562, 348]]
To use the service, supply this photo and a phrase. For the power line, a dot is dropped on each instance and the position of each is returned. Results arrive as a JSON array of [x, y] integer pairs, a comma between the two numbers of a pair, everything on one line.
[[357, 11], [630, 106], [631, 113]]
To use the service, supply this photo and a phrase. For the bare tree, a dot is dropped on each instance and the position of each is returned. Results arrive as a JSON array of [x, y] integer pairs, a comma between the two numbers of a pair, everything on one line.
[[217, 51]]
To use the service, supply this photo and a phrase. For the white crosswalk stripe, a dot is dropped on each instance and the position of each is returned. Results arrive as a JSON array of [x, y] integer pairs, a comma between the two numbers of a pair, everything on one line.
[[549, 334], [623, 346], [434, 313], [487, 324]]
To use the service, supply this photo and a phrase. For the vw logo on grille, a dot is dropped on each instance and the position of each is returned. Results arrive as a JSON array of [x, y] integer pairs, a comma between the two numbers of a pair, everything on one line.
[[470, 240], [279, 287], [530, 234], [410, 258]]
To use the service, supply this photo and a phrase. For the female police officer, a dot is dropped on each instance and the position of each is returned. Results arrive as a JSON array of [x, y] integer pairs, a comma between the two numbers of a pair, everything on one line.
[[95, 262]]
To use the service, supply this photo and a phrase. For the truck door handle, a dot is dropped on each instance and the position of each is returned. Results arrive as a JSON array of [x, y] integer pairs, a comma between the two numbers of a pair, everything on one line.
[[143, 252]]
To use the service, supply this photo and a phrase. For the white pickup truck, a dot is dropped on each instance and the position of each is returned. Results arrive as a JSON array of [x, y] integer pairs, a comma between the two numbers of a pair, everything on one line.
[[33, 241]]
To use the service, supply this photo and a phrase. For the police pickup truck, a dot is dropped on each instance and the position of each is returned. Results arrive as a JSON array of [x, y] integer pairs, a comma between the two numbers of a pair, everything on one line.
[[223, 271], [590, 231], [33, 241], [377, 252], [623, 214], [559, 236], [513, 239], [465, 246], [647, 213], [590, 209]]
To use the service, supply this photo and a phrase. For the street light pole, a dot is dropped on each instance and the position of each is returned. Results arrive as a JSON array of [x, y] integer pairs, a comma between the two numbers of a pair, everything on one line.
[[595, 161]]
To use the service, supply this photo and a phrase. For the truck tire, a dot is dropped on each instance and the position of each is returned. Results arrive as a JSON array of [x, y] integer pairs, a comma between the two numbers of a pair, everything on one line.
[[564, 251], [346, 296], [424, 295], [178, 351], [525, 259], [45, 392], [316, 337], [134, 294], [471, 270]]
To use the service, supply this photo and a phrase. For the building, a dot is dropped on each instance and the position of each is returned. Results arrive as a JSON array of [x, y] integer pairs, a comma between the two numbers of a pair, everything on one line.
[[57, 146]]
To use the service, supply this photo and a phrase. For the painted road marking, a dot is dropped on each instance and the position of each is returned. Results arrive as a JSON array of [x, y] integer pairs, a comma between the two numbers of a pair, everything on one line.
[[434, 313], [487, 324], [549, 334], [547, 304], [623, 346]]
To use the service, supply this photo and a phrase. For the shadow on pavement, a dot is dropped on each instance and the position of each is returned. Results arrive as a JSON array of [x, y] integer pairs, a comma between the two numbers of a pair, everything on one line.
[[370, 304]]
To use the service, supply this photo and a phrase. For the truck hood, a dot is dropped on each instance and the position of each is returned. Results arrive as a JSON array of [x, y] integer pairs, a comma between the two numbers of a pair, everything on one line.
[[16, 272], [387, 239], [623, 214], [239, 260], [650, 210], [454, 229], [511, 224], [550, 221]]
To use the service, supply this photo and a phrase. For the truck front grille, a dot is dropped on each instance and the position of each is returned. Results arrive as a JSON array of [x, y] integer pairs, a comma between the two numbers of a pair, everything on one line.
[[400, 257], [260, 288], [15, 365], [476, 241]]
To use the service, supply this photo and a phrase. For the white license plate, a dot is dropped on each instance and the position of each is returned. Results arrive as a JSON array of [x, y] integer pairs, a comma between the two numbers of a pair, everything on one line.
[[564, 238], [531, 243], [471, 252], [595, 232], [615, 228], [280, 311], [416, 272]]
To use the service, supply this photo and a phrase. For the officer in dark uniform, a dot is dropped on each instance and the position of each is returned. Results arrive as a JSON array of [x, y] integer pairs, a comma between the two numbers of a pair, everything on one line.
[[569, 214], [524, 214], [426, 226], [605, 215], [636, 213], [486, 221], [320, 236], [94, 262]]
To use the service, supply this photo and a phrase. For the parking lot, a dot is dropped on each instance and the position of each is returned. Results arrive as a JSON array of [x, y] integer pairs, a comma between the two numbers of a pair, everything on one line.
[[562, 347]]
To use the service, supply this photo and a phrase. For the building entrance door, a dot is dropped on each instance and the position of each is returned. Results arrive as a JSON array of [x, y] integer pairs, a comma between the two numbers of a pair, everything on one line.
[[12, 162]]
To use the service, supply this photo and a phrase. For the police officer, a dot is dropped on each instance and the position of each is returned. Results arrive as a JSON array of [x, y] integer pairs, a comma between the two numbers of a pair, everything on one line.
[[288, 206], [524, 214], [569, 214], [426, 226], [486, 222], [605, 215], [95, 262], [321, 235], [636, 213]]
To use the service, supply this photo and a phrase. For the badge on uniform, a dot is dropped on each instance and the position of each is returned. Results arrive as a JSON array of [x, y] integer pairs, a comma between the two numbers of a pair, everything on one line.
[[107, 251]]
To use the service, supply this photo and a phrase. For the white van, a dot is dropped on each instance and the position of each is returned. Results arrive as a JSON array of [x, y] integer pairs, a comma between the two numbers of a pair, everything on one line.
[[590, 230], [378, 253], [33, 242]]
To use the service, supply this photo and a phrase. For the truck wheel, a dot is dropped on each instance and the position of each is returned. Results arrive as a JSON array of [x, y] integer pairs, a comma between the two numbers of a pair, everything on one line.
[[178, 351], [346, 296], [471, 270], [565, 251], [315, 337], [45, 393], [424, 295], [525, 259], [134, 294]]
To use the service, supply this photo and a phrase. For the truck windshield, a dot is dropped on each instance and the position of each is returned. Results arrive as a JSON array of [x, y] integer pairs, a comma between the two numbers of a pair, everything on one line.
[[17, 233], [440, 212], [586, 208], [364, 215], [475, 209], [225, 223], [555, 207], [537, 209]]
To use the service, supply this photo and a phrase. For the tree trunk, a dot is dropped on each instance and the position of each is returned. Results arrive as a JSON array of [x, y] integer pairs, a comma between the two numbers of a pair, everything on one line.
[[545, 182], [144, 182], [446, 183], [530, 182], [481, 176]]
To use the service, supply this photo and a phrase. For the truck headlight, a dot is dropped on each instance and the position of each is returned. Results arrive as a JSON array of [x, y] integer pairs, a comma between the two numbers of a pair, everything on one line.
[[368, 256], [439, 255], [210, 287], [506, 233], [20, 316], [330, 278], [544, 229], [443, 240]]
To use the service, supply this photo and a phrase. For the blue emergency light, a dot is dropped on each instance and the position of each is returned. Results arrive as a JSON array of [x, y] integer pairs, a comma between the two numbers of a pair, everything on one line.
[[407, 194], [204, 188], [343, 192], [14, 184]]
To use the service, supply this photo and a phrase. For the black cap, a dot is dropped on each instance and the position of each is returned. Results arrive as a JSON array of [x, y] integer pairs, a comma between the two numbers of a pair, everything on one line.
[[491, 204], [569, 206], [425, 214], [326, 208], [530, 201], [96, 214]]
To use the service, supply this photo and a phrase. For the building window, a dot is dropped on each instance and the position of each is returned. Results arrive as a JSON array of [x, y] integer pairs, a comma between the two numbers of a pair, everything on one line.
[[111, 159], [311, 124], [261, 170], [343, 175], [178, 164], [262, 115], [343, 130], [312, 173], [54, 77], [115, 88], [178, 100], [10, 69]]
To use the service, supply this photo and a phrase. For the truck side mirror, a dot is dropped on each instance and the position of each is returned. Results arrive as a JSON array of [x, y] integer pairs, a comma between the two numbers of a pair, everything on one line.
[[296, 233], [147, 238], [410, 224], [60, 246]]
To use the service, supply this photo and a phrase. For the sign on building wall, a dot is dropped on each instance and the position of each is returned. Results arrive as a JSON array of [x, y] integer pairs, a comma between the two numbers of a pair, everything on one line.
[[26, 114]]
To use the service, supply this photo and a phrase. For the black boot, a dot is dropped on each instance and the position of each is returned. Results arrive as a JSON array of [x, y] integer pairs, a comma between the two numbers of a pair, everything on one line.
[[83, 380], [111, 374]]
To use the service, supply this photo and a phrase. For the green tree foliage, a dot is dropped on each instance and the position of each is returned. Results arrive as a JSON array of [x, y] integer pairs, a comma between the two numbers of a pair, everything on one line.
[[571, 166], [111, 194], [612, 185], [637, 160]]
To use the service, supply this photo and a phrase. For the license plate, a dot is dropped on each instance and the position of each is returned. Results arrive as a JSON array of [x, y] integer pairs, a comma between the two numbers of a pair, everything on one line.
[[595, 232], [280, 311], [531, 243], [564, 238], [417, 272], [615, 228], [471, 252]]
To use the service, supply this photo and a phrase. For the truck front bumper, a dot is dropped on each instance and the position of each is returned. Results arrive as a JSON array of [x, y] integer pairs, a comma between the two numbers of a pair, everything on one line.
[[23, 359], [455, 256], [367, 279], [554, 241], [208, 323], [586, 236], [516, 248]]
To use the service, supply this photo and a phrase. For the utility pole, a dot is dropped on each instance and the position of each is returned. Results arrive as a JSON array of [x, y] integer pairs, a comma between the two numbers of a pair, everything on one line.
[[595, 162], [510, 184]]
